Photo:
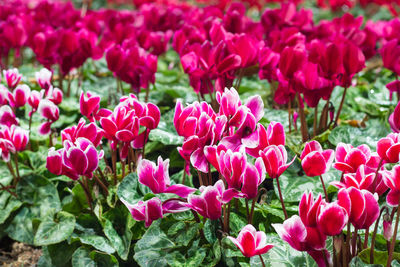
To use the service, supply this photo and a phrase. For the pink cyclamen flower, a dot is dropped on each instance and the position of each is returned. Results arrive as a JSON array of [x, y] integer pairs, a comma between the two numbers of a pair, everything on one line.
[[387, 229], [361, 206], [12, 77], [273, 135], [50, 112], [89, 131], [34, 100], [89, 105], [394, 119], [19, 97], [43, 78], [251, 242], [16, 135], [7, 116], [349, 158], [388, 148], [74, 159], [147, 211], [314, 160], [209, 203], [153, 209], [275, 160], [156, 177], [6, 148], [392, 180], [55, 95], [331, 219]]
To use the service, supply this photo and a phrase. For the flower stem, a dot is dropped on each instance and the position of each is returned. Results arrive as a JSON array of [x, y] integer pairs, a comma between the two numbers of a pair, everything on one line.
[[303, 126], [281, 198], [376, 175], [7, 188], [290, 114], [87, 194], [323, 186], [16, 168], [262, 260], [354, 242], [340, 107], [371, 255], [315, 121], [389, 262], [105, 189]]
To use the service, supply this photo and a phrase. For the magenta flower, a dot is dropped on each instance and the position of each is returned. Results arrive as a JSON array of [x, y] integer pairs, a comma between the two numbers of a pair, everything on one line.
[[43, 78], [275, 158], [19, 97], [89, 104], [147, 211], [209, 203], [55, 95], [156, 177], [50, 112], [34, 100], [89, 131], [392, 180], [153, 209], [388, 148], [331, 219], [12, 77], [253, 176], [394, 119], [361, 206], [298, 236], [200, 127], [314, 160], [274, 135], [74, 159], [7, 116], [18, 137], [6, 148], [349, 158], [308, 208], [251, 242]]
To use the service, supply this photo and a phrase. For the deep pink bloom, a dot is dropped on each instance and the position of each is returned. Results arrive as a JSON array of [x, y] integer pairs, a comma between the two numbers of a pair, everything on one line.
[[43, 78], [331, 219], [147, 211], [387, 230], [275, 160], [200, 127], [55, 95], [251, 242], [392, 180], [291, 60], [89, 131], [156, 177], [209, 203], [388, 148], [273, 135], [300, 237], [7, 116], [19, 97], [50, 112], [314, 160], [394, 119], [18, 137], [34, 100], [12, 77], [89, 104], [308, 208], [349, 158], [361, 206], [6, 148], [75, 158], [393, 87], [390, 55]]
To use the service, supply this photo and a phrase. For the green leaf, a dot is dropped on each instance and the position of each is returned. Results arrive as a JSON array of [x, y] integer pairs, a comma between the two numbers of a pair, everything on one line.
[[357, 262], [104, 260], [166, 138], [120, 243], [128, 188], [60, 254], [52, 232], [98, 242], [380, 257], [8, 204], [152, 249], [20, 228], [81, 258], [41, 193]]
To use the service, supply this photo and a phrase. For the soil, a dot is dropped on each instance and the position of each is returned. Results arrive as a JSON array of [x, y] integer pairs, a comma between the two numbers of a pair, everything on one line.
[[15, 254]]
